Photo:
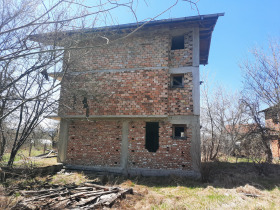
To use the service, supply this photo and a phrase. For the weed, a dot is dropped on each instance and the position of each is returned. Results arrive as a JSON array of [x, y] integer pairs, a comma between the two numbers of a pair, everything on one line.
[[68, 178]]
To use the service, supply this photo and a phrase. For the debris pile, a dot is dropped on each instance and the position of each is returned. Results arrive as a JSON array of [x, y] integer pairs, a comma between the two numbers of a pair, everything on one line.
[[249, 191], [86, 196]]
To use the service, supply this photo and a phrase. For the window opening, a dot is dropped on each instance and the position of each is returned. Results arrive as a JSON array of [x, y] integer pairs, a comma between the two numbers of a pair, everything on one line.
[[177, 80], [179, 132], [178, 43], [152, 136]]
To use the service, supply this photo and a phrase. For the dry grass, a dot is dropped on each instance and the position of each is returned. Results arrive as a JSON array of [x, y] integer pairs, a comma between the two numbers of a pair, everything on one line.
[[33, 163], [247, 189], [71, 178], [45, 162], [163, 193], [6, 202], [227, 189], [183, 197]]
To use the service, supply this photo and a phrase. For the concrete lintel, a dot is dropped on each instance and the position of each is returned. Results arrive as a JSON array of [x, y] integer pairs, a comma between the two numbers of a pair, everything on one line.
[[53, 117], [117, 70], [183, 70], [183, 119], [113, 116], [118, 170], [137, 171], [163, 172]]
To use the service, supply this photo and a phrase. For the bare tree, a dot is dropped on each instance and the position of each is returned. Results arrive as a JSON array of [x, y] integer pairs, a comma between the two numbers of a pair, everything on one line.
[[26, 59], [261, 89], [262, 74], [223, 120], [256, 143]]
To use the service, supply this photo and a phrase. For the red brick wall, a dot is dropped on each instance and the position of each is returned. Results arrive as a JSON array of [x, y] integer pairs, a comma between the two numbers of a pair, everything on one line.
[[94, 143], [151, 48], [182, 57], [99, 144], [180, 99], [134, 52], [138, 92], [274, 144], [275, 148], [172, 153], [143, 92]]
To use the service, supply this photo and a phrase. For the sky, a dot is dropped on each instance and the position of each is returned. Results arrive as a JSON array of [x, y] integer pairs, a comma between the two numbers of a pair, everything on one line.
[[246, 24]]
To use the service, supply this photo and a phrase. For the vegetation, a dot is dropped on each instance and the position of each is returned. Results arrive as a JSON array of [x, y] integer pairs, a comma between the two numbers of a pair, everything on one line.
[[233, 123], [231, 186]]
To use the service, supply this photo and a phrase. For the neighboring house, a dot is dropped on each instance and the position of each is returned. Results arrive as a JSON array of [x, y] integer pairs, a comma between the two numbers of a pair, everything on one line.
[[241, 129], [272, 122], [45, 141], [236, 136], [132, 106]]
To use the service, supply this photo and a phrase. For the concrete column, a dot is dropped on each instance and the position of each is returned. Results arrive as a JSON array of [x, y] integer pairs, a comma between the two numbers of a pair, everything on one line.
[[124, 149], [195, 73], [196, 91], [63, 140], [195, 144], [196, 46]]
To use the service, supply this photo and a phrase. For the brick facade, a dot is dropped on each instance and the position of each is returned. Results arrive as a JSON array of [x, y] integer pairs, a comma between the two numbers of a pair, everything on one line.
[[111, 92], [172, 153], [94, 143], [98, 143], [143, 91], [272, 122], [139, 92]]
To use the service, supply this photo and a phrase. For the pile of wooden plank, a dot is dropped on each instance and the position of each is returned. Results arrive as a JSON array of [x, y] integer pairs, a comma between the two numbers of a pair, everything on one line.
[[86, 196]]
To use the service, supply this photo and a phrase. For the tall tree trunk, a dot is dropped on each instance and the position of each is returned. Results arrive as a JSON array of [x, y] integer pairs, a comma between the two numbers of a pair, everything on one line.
[[268, 152], [30, 148], [12, 158], [3, 143]]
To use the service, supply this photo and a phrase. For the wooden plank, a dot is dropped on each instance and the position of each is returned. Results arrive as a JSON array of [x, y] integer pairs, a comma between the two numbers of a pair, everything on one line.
[[96, 186]]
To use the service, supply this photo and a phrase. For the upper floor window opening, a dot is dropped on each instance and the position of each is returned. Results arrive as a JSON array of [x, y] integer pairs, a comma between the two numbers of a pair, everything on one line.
[[178, 42], [177, 80]]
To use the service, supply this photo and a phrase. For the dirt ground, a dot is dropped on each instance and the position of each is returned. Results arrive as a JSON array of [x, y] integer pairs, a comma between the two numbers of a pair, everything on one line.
[[228, 186]]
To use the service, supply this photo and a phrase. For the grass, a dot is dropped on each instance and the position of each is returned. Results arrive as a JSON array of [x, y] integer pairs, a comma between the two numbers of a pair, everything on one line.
[[229, 182], [22, 153], [204, 196], [175, 196], [72, 178], [22, 159]]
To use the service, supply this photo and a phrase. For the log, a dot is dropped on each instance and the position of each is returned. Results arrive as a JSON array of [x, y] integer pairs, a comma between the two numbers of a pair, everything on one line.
[[60, 204], [109, 202], [96, 195], [84, 188], [48, 195], [79, 197], [251, 195], [40, 191], [97, 186]]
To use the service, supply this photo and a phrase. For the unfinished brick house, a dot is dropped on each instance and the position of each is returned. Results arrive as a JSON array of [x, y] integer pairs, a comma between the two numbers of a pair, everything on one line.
[[272, 122], [132, 105]]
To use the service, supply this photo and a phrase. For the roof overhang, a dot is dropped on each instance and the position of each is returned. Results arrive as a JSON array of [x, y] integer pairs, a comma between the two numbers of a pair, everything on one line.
[[206, 24]]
